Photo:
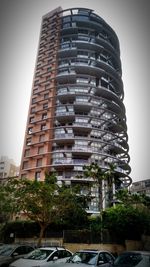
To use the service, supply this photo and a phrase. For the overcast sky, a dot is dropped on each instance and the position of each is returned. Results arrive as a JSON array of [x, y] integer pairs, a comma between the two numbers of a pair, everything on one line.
[[20, 22]]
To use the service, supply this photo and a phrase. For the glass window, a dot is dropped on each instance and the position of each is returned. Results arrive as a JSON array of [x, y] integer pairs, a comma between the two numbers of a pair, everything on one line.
[[33, 100], [39, 162], [39, 254], [28, 142], [30, 130], [43, 126], [40, 150], [108, 257], [66, 25], [42, 138], [25, 165], [45, 105], [33, 110], [27, 152], [129, 259], [36, 82], [46, 96], [82, 98], [47, 86], [44, 116], [82, 80], [32, 119], [37, 176], [20, 250], [35, 91], [66, 19]]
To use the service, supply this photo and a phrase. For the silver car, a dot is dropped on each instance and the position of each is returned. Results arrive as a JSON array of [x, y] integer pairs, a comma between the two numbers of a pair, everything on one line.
[[43, 257], [93, 258]]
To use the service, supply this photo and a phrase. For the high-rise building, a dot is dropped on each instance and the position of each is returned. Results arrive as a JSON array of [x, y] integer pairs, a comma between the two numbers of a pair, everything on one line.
[[76, 113]]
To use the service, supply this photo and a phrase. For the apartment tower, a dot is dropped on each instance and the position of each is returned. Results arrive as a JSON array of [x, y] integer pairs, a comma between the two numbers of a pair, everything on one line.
[[76, 112]]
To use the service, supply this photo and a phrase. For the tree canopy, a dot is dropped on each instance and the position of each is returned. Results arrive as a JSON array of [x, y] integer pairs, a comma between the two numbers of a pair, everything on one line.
[[42, 202]]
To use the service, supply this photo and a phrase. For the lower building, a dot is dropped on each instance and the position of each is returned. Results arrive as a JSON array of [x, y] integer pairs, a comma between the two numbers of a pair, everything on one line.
[[7, 168], [141, 187]]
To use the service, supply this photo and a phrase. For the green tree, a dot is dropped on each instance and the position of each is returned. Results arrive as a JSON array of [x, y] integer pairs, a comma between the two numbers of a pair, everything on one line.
[[126, 222], [99, 175], [6, 206], [95, 172], [42, 202], [111, 179], [127, 198], [72, 213], [36, 200]]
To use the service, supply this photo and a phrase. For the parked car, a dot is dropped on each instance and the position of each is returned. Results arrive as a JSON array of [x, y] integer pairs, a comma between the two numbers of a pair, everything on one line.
[[44, 257], [93, 258], [9, 253], [133, 259]]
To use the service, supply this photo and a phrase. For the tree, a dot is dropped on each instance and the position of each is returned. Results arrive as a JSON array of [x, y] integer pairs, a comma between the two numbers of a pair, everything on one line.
[[126, 222], [127, 198], [42, 202], [6, 207], [36, 200], [95, 172], [99, 175], [111, 181], [72, 213]]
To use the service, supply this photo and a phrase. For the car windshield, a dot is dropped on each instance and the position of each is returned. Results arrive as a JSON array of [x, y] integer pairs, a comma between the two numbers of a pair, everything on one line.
[[39, 254], [129, 259], [85, 257], [6, 250]]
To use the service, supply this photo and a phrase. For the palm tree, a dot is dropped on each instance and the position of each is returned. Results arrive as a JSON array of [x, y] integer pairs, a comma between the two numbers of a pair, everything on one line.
[[99, 176], [95, 172], [111, 180]]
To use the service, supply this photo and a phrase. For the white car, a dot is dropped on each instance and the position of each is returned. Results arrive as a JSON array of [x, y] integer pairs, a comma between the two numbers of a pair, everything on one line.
[[43, 257]]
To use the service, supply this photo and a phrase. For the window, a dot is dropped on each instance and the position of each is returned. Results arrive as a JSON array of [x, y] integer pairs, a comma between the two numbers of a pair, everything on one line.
[[30, 130], [67, 25], [25, 165], [33, 100], [36, 82], [37, 176], [42, 138], [27, 152], [82, 80], [82, 99], [28, 142], [44, 116], [43, 127], [66, 19], [45, 105], [46, 96], [47, 86], [40, 150], [35, 91], [39, 163], [31, 119], [33, 110]]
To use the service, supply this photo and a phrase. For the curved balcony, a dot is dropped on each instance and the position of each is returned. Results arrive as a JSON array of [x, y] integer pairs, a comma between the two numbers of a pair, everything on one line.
[[89, 81]]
